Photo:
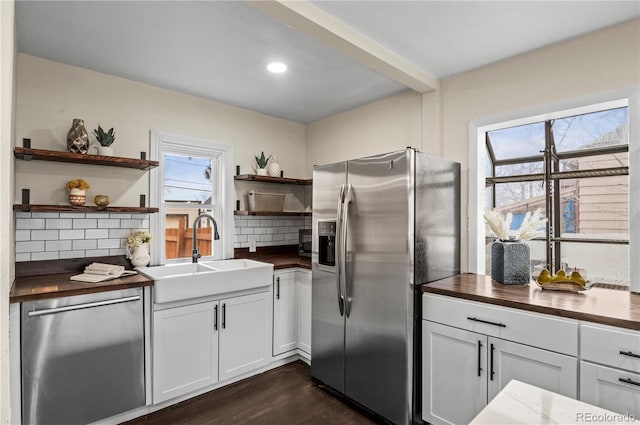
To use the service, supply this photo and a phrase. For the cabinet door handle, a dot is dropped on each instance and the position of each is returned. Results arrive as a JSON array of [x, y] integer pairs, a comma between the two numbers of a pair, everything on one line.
[[492, 371], [224, 316], [215, 318], [278, 287], [629, 381], [479, 357], [475, 319], [630, 354]]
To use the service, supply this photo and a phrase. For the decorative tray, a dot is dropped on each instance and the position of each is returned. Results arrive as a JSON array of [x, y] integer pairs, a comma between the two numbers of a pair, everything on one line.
[[565, 285]]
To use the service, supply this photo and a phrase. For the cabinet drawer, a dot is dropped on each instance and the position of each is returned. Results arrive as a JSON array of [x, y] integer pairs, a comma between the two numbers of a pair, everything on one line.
[[535, 329], [611, 389], [610, 346]]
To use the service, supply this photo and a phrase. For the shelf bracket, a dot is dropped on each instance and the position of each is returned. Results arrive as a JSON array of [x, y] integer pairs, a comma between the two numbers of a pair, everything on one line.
[[28, 153], [25, 200]]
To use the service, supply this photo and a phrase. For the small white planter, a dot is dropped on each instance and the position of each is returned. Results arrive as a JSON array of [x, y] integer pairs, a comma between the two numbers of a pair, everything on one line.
[[105, 150], [261, 171]]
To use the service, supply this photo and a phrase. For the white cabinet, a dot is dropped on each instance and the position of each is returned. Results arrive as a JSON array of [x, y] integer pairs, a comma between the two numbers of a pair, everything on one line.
[[464, 367], [304, 311], [244, 331], [185, 350], [291, 311], [198, 345], [285, 314], [610, 368]]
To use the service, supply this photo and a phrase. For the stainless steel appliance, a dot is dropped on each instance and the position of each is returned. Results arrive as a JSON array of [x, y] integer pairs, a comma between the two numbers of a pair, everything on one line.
[[304, 242], [382, 226], [82, 357]]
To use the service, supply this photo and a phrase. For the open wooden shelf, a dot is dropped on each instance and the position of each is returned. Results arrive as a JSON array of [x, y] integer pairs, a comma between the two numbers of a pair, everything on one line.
[[83, 208], [29, 154], [272, 213], [268, 179]]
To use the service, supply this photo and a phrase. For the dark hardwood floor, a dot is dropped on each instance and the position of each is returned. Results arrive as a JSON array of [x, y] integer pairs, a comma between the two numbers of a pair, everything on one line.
[[282, 396]]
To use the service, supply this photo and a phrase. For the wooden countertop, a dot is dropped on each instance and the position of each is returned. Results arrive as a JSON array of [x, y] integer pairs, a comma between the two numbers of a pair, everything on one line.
[[605, 306], [282, 257], [50, 279]]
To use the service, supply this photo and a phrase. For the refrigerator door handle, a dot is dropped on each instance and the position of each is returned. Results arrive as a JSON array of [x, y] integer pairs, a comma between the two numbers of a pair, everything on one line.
[[339, 251], [343, 250]]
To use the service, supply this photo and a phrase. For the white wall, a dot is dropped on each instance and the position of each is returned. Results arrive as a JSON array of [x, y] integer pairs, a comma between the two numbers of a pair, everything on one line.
[[51, 95], [384, 126], [7, 100]]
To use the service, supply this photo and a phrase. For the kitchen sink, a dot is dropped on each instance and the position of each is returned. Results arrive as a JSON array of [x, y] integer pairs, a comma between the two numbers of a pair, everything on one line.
[[175, 282]]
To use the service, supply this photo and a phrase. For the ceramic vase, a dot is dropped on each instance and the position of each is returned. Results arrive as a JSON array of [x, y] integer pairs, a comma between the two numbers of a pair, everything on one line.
[[274, 168], [78, 138], [77, 197], [510, 262], [139, 255]]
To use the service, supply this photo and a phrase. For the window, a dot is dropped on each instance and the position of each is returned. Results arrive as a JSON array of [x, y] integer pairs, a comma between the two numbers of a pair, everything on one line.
[[575, 168], [194, 177], [524, 177]]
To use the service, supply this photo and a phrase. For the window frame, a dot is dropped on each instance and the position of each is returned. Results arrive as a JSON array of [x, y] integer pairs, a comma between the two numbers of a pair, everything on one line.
[[583, 105], [161, 143]]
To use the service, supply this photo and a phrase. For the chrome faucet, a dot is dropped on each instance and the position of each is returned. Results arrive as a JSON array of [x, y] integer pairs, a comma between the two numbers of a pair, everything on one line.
[[195, 253]]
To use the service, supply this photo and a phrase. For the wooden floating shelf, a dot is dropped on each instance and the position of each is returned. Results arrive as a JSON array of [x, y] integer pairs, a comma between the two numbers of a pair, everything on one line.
[[29, 154], [83, 208], [272, 213], [268, 179]]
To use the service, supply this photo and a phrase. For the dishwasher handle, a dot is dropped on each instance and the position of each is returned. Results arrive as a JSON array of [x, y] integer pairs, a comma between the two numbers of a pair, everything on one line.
[[81, 306]]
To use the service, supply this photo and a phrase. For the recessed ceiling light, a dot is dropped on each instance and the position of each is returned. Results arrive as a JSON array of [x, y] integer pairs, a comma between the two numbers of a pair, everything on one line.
[[277, 67]]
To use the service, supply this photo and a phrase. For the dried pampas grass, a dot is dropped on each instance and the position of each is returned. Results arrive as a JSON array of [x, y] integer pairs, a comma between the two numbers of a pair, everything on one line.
[[529, 229]]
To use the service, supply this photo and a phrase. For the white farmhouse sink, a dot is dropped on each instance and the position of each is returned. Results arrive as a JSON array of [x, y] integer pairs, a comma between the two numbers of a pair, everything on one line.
[[174, 282]]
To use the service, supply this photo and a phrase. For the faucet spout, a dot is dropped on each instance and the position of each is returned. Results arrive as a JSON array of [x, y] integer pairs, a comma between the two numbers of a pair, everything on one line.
[[195, 252]]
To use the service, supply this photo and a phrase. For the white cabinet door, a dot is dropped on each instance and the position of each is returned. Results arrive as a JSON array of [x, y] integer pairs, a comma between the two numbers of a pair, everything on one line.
[[185, 350], [304, 311], [244, 333], [611, 389], [285, 315], [545, 369], [454, 374]]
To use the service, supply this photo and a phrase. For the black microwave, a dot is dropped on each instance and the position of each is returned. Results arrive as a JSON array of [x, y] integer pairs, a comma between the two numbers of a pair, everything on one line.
[[304, 242]]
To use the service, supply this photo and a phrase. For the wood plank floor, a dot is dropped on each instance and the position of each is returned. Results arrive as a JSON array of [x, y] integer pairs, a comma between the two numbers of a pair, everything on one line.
[[284, 396]]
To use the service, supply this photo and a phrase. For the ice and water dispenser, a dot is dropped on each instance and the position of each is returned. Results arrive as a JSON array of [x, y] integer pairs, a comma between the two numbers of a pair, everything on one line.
[[327, 243]]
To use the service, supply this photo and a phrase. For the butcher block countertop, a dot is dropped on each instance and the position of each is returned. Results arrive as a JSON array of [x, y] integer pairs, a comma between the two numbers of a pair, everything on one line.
[[37, 280], [604, 306]]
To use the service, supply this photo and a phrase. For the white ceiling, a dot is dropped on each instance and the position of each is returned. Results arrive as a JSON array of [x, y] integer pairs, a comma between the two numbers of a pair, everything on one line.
[[360, 52]]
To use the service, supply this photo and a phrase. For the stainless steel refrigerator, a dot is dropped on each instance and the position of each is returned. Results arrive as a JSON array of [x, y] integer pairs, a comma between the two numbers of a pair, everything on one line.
[[382, 226]]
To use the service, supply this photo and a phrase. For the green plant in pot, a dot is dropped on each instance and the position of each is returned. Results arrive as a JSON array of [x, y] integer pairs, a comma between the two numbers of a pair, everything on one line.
[[106, 139], [262, 161]]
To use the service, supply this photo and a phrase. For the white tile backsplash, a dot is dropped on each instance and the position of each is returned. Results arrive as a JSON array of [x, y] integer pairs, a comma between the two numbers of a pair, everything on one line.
[[51, 236], [277, 230]]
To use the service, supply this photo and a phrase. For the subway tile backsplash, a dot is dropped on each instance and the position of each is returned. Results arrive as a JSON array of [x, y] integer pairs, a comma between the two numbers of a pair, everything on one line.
[[51, 236], [272, 231]]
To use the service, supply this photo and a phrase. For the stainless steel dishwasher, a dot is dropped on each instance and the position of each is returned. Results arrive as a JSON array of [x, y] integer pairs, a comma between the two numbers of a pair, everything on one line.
[[82, 357]]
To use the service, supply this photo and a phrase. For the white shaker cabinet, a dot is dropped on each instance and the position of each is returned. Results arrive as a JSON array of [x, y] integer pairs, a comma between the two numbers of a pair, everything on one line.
[[244, 334], [465, 365], [285, 312], [185, 350], [610, 368]]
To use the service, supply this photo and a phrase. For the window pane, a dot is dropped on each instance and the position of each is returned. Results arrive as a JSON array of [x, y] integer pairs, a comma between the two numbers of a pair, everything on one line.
[[595, 130], [599, 263], [597, 161], [520, 169], [179, 232], [596, 207], [188, 179], [518, 142], [522, 196]]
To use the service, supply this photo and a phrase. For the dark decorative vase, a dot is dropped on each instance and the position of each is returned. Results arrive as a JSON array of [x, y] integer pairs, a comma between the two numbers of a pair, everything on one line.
[[77, 138], [510, 262]]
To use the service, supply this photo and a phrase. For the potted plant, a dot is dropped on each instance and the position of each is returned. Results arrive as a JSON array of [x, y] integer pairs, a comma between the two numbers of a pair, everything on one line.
[[105, 138], [262, 161], [77, 191]]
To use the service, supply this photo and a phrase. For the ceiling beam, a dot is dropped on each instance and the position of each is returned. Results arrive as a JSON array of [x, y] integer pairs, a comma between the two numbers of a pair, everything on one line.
[[316, 23]]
